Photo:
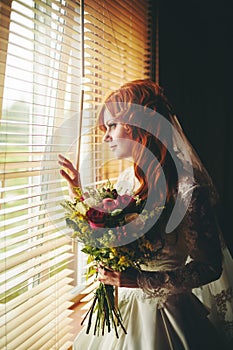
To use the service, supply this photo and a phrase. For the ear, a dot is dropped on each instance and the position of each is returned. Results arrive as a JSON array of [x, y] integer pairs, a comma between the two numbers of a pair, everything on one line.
[[128, 129]]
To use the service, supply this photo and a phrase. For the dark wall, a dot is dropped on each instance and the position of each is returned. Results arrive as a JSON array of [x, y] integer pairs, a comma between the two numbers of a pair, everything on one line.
[[195, 61]]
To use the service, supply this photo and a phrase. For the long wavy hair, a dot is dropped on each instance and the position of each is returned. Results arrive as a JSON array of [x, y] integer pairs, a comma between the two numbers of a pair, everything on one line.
[[146, 129]]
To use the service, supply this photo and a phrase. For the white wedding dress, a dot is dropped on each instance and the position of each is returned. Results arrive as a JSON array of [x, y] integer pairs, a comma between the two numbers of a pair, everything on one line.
[[166, 312]]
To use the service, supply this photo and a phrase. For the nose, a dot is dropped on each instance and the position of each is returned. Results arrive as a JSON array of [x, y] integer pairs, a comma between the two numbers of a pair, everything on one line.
[[107, 137]]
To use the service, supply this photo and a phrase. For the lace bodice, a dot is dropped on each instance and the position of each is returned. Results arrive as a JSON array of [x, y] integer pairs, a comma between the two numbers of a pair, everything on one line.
[[191, 256]]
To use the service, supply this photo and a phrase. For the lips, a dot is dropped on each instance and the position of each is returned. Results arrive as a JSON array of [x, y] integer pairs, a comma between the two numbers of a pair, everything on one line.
[[113, 147]]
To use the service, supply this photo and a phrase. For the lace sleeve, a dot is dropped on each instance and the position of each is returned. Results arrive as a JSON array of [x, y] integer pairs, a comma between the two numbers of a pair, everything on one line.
[[201, 237]]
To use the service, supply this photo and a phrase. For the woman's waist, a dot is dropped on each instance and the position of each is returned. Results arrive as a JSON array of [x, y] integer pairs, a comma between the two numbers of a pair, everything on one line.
[[158, 297], [162, 265]]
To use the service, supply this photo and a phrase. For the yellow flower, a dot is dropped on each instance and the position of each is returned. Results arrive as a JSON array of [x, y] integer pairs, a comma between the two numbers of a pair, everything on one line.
[[84, 229], [114, 251], [77, 215], [123, 261]]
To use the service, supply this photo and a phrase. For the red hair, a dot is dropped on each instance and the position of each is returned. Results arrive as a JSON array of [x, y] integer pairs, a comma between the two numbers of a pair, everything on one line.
[[150, 96]]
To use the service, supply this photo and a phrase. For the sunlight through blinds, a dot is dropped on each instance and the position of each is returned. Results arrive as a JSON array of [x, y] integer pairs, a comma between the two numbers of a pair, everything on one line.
[[40, 85], [117, 42], [58, 60], [117, 49]]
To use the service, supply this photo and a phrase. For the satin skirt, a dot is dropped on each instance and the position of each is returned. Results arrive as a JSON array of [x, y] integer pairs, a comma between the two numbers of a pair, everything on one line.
[[178, 323]]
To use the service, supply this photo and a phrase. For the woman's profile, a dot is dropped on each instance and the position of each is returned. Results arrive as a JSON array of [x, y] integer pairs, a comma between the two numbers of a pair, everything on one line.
[[159, 308]]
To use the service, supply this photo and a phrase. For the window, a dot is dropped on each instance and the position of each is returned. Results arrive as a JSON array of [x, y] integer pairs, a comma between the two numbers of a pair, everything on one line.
[[117, 49], [58, 60], [40, 68]]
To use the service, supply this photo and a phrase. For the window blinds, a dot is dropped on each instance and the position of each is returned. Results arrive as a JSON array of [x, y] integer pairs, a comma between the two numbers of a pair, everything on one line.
[[117, 49], [57, 63], [40, 84]]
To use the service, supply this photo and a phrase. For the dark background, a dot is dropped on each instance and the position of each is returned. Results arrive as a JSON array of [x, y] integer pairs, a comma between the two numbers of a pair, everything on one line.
[[195, 69]]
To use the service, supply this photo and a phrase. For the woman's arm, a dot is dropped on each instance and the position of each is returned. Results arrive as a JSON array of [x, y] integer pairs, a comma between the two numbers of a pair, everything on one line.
[[201, 236], [70, 174]]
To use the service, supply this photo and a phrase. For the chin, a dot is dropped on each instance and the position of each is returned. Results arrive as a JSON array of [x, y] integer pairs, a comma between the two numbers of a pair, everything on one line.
[[118, 156], [123, 157]]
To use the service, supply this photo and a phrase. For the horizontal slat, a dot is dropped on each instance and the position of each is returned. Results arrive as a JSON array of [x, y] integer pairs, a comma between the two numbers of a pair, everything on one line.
[[24, 231], [39, 78], [27, 339], [112, 24], [29, 254], [28, 244], [117, 14], [56, 214], [41, 102], [108, 80], [31, 205], [113, 74], [31, 187], [63, 343], [36, 124], [38, 75], [50, 52], [32, 312], [54, 328], [65, 12], [40, 113], [16, 220], [23, 174], [6, 166], [140, 7], [55, 336], [118, 45], [39, 193], [59, 280], [26, 90], [37, 273], [19, 269], [26, 11], [102, 69], [97, 41]]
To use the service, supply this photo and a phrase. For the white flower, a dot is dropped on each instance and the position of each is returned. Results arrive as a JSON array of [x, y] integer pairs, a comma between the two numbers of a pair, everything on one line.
[[90, 202], [81, 208]]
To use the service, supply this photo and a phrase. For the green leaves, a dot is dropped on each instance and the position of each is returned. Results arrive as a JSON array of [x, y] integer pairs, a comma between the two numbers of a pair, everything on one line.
[[116, 212], [72, 224]]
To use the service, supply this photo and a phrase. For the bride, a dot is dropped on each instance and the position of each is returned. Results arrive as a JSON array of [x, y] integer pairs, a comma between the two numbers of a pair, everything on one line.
[[182, 299]]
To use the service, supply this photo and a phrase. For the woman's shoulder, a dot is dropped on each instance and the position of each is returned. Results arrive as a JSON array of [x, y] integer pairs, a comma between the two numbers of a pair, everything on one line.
[[197, 186], [127, 181]]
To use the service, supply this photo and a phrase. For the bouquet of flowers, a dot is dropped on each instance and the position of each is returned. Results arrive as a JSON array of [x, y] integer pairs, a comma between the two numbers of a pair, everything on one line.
[[109, 226]]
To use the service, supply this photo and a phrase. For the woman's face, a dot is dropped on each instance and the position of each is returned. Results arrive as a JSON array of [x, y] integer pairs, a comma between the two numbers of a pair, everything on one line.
[[119, 140]]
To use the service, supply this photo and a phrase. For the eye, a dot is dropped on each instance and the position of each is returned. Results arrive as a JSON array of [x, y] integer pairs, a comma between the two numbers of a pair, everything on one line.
[[112, 125]]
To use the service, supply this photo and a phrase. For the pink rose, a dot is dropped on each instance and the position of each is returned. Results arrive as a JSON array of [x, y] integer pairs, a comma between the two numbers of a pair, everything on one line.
[[126, 202], [109, 204]]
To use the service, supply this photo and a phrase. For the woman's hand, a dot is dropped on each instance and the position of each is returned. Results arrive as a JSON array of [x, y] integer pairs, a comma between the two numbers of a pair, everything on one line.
[[70, 173], [127, 278]]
